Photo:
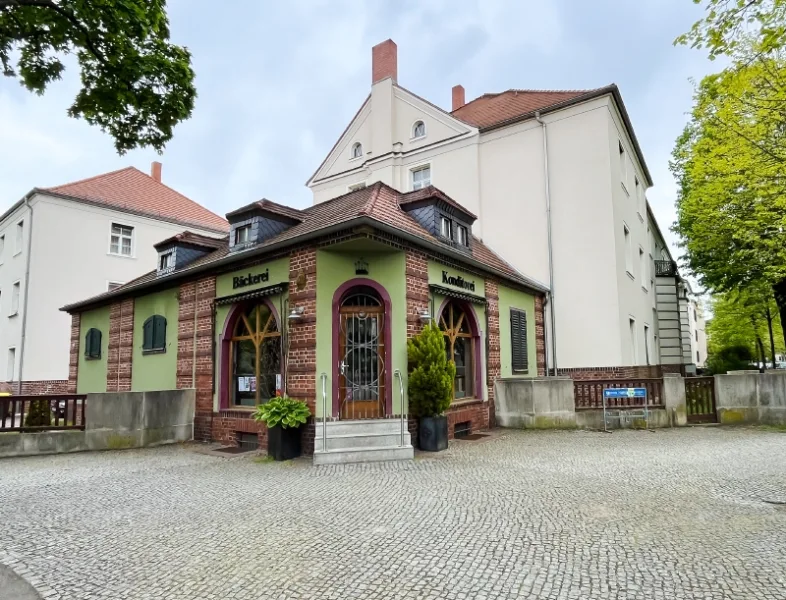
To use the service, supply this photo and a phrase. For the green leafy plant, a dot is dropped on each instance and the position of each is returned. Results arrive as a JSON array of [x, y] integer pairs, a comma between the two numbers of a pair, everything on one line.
[[38, 415], [284, 412], [431, 373], [731, 358]]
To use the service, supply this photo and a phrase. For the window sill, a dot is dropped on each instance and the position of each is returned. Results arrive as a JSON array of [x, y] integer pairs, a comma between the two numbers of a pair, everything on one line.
[[629, 274], [640, 217], [154, 351], [356, 158], [120, 255], [17, 252], [13, 314], [420, 138], [465, 402], [239, 409], [625, 189], [92, 358], [646, 290]]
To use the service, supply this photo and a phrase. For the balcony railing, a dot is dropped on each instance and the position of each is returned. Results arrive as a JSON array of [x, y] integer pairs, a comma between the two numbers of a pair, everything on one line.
[[665, 268]]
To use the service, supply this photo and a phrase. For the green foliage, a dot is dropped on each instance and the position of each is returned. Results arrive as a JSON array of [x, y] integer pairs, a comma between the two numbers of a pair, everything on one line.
[[283, 411], [740, 319], [731, 23], [135, 84], [39, 414], [431, 375], [731, 358]]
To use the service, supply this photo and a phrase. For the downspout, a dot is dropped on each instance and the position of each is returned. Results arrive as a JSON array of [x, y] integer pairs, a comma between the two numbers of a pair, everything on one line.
[[551, 252], [27, 288]]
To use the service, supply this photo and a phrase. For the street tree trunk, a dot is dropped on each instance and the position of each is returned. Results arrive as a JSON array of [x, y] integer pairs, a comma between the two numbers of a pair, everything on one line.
[[772, 339]]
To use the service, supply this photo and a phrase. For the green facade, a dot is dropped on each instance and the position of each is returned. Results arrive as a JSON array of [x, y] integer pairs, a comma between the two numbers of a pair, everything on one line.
[[336, 267], [158, 370], [510, 298], [91, 376]]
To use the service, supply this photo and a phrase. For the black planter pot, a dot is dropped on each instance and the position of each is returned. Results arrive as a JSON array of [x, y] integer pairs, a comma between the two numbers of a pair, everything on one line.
[[433, 433], [283, 444]]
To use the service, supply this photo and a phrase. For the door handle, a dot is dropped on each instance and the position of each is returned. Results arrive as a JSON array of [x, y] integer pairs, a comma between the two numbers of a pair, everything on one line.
[[342, 367]]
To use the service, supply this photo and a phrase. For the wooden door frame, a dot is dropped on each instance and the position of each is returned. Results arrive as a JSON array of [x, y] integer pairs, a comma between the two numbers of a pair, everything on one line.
[[338, 296]]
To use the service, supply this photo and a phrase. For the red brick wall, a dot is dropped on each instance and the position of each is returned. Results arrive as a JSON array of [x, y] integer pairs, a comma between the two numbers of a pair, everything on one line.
[[121, 342], [384, 61], [73, 358], [416, 266], [493, 366], [48, 387], [540, 335], [196, 300]]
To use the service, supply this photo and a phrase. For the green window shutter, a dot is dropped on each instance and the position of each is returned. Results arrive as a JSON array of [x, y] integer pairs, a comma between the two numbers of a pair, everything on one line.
[[147, 335], [159, 332], [518, 341], [93, 343]]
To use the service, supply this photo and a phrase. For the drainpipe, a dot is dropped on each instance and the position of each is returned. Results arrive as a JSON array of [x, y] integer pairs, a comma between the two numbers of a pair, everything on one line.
[[27, 288], [551, 253]]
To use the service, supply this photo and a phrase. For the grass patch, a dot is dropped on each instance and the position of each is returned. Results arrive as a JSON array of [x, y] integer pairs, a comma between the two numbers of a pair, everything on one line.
[[778, 428], [263, 459]]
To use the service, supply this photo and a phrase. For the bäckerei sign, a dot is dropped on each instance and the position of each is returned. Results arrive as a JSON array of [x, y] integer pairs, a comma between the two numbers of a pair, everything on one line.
[[250, 279]]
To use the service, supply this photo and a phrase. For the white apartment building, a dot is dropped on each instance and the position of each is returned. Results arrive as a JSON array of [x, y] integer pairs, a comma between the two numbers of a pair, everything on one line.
[[59, 244], [558, 182]]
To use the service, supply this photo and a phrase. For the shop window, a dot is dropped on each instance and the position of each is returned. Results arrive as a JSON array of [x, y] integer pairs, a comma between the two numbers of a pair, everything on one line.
[[255, 357], [93, 343], [154, 334], [460, 345], [518, 341]]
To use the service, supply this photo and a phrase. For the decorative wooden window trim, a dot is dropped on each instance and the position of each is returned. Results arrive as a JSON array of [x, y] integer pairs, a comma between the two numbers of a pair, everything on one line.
[[456, 325]]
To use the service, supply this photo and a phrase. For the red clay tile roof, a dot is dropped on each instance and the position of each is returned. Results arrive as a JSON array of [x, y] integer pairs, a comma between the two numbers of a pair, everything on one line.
[[492, 109], [377, 202], [131, 190]]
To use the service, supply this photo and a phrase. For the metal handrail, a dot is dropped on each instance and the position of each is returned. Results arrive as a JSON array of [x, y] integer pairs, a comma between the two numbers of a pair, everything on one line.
[[324, 411], [397, 373]]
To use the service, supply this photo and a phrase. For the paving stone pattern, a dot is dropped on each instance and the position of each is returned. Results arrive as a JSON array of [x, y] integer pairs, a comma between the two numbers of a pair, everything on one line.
[[556, 515]]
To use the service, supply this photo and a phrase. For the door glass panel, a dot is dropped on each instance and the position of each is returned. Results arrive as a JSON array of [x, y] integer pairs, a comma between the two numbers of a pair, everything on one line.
[[244, 375], [460, 355]]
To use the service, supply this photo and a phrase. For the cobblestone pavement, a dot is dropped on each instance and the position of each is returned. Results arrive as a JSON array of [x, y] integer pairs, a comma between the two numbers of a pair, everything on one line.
[[689, 513]]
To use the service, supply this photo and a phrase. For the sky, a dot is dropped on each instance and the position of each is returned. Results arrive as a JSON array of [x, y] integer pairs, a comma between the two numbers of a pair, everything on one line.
[[279, 81]]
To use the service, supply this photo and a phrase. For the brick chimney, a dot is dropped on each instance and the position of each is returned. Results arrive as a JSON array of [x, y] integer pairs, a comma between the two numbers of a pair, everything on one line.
[[384, 61], [458, 97], [155, 170]]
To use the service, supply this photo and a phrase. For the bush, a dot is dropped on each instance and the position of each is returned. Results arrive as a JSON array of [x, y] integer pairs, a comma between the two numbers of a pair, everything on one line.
[[431, 373], [39, 414], [283, 411], [730, 358]]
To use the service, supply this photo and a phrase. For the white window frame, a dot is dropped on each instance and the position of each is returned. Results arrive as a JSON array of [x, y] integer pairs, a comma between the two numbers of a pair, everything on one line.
[[354, 187], [20, 236], [623, 158], [12, 363], [414, 125], [168, 256], [16, 297], [352, 151], [121, 237], [442, 221], [628, 242], [644, 275], [462, 235], [416, 169], [111, 283], [247, 229]]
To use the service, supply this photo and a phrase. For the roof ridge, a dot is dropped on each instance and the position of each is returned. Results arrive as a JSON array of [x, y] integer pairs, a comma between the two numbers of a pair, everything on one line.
[[368, 207], [62, 185]]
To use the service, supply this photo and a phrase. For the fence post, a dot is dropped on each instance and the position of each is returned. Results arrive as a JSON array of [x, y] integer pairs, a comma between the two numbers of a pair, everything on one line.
[[674, 399]]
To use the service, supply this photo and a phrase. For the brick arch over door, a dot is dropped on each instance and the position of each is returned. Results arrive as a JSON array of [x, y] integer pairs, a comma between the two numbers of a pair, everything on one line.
[[338, 296]]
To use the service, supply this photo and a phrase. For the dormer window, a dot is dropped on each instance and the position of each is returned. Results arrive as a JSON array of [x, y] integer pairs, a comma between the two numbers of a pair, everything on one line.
[[242, 234], [166, 261], [418, 130], [462, 236], [445, 228], [357, 150]]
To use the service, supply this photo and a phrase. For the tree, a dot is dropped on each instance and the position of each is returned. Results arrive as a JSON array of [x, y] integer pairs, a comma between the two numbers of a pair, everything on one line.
[[135, 84], [730, 166], [432, 374], [38, 415], [732, 358], [730, 23]]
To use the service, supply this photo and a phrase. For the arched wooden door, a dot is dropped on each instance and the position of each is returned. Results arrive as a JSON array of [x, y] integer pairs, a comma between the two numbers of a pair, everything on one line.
[[362, 347]]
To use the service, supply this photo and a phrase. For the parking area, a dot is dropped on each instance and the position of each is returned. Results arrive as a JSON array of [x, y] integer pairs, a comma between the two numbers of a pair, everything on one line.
[[687, 513]]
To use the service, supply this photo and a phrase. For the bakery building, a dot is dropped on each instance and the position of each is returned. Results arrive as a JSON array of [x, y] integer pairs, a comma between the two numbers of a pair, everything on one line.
[[317, 304]]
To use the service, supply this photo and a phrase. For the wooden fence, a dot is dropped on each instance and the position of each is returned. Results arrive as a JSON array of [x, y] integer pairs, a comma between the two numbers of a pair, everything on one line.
[[588, 394], [42, 413]]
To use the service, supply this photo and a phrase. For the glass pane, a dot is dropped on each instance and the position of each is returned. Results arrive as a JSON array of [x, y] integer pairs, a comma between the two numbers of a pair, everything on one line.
[[114, 248], [116, 229], [244, 373], [461, 357], [127, 246], [269, 367]]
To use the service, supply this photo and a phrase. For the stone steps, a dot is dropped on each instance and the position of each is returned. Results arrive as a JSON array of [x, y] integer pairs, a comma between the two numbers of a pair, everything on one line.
[[358, 441]]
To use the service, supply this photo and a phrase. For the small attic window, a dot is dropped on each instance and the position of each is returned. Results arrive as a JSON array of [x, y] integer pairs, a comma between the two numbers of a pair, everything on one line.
[[166, 261], [418, 130], [357, 150], [242, 234]]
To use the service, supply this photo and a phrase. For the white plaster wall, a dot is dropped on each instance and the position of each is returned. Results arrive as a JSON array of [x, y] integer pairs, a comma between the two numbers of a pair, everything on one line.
[[340, 159], [70, 261], [12, 269]]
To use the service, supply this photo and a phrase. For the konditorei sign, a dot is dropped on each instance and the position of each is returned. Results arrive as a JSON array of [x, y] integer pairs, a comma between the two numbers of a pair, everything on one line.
[[250, 279], [458, 281]]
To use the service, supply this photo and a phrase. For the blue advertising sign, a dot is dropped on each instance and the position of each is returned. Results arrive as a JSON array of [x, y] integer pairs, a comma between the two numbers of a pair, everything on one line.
[[625, 393]]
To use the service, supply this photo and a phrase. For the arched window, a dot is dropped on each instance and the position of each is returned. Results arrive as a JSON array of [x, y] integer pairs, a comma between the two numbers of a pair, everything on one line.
[[357, 150], [460, 347], [93, 343], [418, 129], [154, 334], [256, 357]]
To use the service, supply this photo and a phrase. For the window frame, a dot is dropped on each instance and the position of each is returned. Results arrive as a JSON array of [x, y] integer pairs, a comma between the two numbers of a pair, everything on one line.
[[257, 335], [156, 322], [420, 169], [647, 353], [12, 363], [634, 340], [245, 228], [443, 220], [120, 237], [2, 248], [452, 332], [462, 231], [20, 236], [16, 297], [414, 135], [643, 275], [514, 344], [628, 242], [91, 351], [169, 256], [356, 155], [623, 167]]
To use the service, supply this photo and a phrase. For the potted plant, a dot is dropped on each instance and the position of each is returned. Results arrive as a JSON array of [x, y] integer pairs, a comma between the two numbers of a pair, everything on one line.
[[284, 417], [430, 387]]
